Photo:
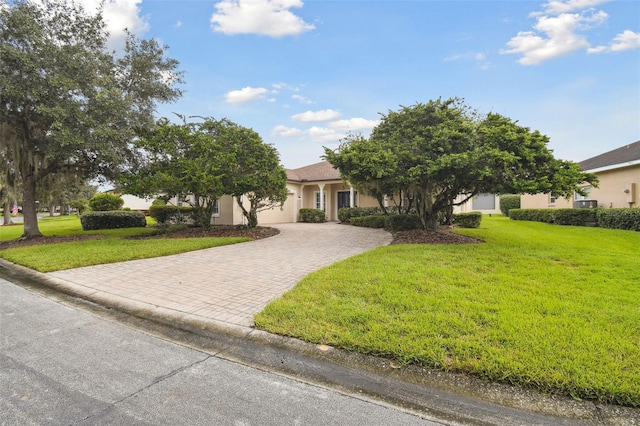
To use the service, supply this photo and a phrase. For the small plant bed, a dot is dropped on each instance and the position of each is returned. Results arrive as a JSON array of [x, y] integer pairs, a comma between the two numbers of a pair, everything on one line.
[[257, 233], [441, 236]]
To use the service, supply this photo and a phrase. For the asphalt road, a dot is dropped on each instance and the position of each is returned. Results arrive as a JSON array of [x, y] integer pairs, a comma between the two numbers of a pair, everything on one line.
[[60, 364]]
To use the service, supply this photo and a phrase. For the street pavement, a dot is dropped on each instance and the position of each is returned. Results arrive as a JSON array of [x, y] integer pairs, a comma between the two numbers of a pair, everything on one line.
[[64, 366]]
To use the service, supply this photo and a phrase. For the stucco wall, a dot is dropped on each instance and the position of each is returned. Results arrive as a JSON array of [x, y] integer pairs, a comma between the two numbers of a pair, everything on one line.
[[612, 186], [609, 194]]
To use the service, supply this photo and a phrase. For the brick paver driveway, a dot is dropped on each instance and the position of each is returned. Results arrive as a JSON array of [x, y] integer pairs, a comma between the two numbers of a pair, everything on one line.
[[230, 283]]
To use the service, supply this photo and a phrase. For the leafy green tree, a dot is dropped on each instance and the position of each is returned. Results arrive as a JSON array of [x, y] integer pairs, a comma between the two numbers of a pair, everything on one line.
[[441, 154], [253, 171], [67, 103], [203, 161], [182, 160]]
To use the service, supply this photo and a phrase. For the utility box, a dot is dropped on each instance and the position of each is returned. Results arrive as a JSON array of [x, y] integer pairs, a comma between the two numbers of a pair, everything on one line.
[[585, 204]]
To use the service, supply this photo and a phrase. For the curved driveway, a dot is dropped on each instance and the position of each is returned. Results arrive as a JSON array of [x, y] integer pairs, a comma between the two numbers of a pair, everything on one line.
[[224, 284]]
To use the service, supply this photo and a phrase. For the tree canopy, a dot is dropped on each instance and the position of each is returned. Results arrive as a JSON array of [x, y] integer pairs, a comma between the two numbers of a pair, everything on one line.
[[433, 156], [67, 103], [207, 160]]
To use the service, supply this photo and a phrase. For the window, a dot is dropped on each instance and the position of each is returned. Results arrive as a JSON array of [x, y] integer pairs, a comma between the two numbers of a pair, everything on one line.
[[552, 199], [317, 198], [216, 208], [587, 196]]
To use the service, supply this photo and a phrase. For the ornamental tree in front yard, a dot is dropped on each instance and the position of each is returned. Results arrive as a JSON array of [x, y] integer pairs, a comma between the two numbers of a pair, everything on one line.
[[431, 154], [207, 160]]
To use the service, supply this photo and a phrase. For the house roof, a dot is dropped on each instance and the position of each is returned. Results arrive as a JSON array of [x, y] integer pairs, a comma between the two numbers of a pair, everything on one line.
[[314, 172], [620, 157]]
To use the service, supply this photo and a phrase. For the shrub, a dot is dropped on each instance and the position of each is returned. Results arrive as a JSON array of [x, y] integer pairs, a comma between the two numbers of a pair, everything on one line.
[[372, 221], [508, 202], [345, 214], [628, 219], [467, 220], [105, 202], [535, 215], [402, 222], [312, 216], [165, 214], [576, 217], [112, 220]]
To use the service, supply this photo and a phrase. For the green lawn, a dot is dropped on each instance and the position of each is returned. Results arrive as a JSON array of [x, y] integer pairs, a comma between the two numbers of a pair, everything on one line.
[[113, 246], [554, 308]]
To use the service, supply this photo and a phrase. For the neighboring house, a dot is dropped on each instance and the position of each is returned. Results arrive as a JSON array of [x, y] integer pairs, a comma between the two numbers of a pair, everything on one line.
[[618, 173], [136, 203]]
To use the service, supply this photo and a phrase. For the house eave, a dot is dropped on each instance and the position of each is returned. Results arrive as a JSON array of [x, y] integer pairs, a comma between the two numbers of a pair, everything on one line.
[[614, 166]]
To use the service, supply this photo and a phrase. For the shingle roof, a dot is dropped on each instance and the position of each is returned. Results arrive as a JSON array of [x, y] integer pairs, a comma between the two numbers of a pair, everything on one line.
[[314, 172], [622, 155]]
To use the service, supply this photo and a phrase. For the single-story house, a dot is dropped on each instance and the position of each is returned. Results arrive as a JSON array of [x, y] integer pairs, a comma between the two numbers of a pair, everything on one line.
[[319, 186], [618, 172]]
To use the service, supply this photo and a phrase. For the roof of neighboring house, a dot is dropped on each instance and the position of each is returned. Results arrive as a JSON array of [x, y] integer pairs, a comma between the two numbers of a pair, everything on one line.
[[621, 157], [314, 172]]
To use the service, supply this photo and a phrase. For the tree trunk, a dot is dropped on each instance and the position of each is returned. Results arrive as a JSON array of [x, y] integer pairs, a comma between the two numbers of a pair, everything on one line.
[[7, 213], [253, 218], [29, 213]]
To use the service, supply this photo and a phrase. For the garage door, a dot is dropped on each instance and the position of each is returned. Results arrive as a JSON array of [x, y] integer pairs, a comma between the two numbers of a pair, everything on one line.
[[276, 215]]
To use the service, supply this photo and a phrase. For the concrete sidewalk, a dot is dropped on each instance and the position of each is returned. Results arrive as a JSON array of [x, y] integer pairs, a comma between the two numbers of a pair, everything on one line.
[[224, 284]]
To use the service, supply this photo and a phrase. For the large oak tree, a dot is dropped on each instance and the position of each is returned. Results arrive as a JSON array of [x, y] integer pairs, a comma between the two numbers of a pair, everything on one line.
[[67, 104]]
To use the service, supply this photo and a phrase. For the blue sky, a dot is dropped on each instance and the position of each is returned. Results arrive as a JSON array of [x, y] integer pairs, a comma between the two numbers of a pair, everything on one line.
[[303, 73]]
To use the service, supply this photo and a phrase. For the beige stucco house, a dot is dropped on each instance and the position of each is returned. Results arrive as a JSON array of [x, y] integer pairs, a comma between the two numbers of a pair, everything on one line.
[[618, 173], [319, 186]]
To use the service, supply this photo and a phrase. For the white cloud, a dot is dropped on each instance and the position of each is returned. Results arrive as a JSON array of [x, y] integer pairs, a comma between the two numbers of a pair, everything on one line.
[[354, 124], [118, 15], [324, 134], [561, 38], [302, 99], [246, 94], [556, 7], [285, 131], [312, 116], [265, 17], [178, 24], [479, 58], [626, 41]]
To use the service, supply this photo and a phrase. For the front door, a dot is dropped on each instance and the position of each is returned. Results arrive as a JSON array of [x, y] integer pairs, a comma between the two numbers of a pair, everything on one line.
[[343, 199]]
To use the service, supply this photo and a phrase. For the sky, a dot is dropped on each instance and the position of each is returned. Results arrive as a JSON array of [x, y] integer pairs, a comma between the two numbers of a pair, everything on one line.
[[305, 73]]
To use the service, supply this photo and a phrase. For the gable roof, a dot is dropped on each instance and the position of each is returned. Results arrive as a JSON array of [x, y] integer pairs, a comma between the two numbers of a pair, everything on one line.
[[624, 156], [314, 172]]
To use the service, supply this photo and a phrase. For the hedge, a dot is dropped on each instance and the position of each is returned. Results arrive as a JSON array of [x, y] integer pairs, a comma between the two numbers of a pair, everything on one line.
[[626, 219], [346, 213], [164, 214], [535, 215], [372, 221], [508, 202], [112, 220], [467, 220], [575, 217], [312, 216]]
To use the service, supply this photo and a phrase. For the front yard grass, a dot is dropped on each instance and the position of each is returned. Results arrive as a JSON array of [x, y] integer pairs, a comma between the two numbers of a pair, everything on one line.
[[115, 245], [555, 308]]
